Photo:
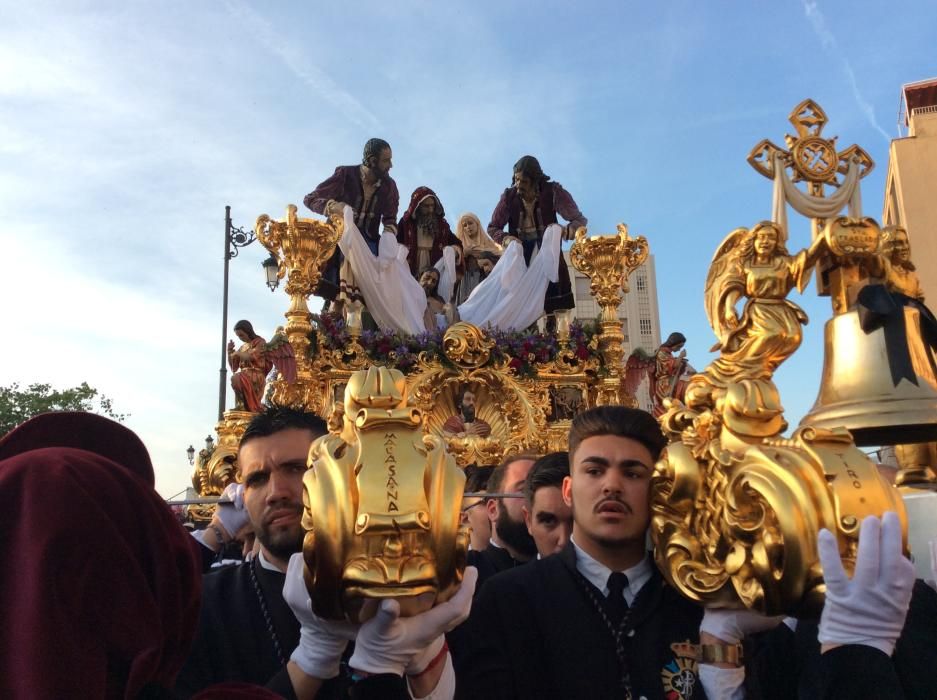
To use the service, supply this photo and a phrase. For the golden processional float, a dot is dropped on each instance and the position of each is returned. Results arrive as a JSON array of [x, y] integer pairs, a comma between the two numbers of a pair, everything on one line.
[[736, 504], [384, 490]]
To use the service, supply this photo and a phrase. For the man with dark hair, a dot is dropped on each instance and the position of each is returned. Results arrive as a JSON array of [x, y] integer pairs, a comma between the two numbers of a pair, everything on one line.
[[510, 544], [466, 423], [596, 620], [246, 630], [549, 519], [371, 193], [527, 208], [424, 230], [435, 304], [474, 512]]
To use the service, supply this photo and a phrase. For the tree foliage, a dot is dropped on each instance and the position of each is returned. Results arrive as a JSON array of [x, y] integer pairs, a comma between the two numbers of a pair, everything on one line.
[[18, 405]]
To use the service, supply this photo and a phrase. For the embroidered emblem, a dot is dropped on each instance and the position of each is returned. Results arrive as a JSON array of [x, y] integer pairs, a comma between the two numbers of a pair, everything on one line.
[[679, 678]]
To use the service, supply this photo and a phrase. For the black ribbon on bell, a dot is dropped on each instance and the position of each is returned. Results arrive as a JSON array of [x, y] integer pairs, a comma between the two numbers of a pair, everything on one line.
[[880, 308]]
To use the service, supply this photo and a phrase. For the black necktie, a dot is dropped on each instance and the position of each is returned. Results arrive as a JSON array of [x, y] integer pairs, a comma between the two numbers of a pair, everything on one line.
[[616, 603]]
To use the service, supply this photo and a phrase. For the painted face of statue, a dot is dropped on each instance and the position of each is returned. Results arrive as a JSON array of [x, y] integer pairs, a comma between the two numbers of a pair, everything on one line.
[[429, 280], [901, 248], [242, 335], [426, 209], [469, 228], [468, 406], [766, 241], [384, 163], [526, 187]]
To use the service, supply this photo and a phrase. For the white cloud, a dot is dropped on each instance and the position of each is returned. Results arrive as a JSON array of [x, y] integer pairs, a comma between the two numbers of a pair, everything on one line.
[[831, 46]]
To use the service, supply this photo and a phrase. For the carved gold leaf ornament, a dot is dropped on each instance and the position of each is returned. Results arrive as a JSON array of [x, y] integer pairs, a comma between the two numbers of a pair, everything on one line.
[[736, 507], [382, 505]]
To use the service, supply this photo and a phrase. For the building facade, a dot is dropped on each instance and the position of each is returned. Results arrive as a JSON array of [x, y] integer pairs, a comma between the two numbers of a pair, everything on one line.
[[911, 182]]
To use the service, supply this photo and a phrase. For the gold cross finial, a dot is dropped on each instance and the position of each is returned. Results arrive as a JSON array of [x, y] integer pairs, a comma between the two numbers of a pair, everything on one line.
[[810, 157]]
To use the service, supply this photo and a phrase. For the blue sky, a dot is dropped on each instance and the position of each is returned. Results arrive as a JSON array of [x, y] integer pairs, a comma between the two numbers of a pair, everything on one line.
[[125, 128]]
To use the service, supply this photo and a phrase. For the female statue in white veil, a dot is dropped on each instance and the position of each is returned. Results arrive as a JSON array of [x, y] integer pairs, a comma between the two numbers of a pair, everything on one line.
[[478, 249]]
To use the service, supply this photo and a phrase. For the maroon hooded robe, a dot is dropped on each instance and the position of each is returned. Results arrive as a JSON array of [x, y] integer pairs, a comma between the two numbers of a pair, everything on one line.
[[407, 230]]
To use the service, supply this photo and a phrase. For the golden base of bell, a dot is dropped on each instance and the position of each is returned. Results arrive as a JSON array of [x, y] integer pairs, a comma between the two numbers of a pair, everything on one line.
[[857, 391]]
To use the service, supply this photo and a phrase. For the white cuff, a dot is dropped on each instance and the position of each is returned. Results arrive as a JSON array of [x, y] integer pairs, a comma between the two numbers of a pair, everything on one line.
[[722, 683], [445, 688]]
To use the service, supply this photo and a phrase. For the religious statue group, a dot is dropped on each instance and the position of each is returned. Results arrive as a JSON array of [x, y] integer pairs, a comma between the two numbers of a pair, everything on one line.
[[414, 274]]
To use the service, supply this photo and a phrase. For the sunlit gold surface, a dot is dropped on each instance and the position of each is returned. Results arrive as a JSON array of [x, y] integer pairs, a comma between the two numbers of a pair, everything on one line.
[[736, 506], [382, 505], [301, 248], [812, 158], [609, 261], [216, 469]]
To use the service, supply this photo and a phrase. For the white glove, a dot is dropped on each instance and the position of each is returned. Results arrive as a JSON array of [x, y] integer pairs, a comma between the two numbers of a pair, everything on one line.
[[732, 626], [230, 511], [871, 608], [321, 642], [388, 643]]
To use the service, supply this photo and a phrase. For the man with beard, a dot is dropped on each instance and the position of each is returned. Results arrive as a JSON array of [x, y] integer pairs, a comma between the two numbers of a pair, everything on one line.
[[511, 545], [371, 193], [246, 630], [423, 229], [435, 305], [466, 423], [527, 207]]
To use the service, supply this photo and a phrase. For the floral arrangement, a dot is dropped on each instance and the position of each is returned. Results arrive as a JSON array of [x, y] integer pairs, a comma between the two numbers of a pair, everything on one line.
[[522, 351]]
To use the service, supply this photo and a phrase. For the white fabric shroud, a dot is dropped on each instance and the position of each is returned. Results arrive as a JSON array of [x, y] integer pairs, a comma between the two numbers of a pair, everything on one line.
[[786, 192], [511, 297], [395, 300], [447, 273]]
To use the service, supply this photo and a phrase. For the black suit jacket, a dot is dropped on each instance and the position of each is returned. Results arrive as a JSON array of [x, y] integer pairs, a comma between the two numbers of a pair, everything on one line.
[[534, 633]]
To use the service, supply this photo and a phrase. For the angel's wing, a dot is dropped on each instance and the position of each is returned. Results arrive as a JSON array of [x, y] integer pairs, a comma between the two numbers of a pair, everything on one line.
[[639, 365], [280, 353], [724, 271]]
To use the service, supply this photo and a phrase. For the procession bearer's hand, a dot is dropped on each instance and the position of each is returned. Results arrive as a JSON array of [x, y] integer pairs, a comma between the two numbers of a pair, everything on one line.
[[870, 608], [732, 626], [321, 642], [230, 513], [388, 643]]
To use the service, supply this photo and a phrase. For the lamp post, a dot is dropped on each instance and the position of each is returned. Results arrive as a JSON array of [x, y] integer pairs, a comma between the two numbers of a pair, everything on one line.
[[236, 237], [190, 453]]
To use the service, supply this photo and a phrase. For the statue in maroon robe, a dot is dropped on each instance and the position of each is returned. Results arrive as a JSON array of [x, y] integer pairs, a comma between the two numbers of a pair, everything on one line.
[[371, 193], [527, 208], [466, 423], [425, 231]]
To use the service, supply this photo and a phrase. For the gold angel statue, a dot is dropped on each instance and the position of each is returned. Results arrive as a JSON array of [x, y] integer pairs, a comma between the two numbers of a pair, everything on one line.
[[754, 265]]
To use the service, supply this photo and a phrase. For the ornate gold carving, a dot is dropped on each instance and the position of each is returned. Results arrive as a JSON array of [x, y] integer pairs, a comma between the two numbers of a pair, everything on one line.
[[382, 505], [609, 261], [736, 506], [813, 159], [467, 345], [216, 469], [301, 248]]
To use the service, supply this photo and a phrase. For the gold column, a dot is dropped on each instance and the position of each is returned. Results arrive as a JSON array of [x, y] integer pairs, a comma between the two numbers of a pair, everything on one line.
[[609, 261], [301, 248]]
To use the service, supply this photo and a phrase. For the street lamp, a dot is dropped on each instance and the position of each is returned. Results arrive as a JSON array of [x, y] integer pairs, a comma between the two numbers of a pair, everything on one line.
[[234, 238], [209, 443], [191, 454], [272, 269]]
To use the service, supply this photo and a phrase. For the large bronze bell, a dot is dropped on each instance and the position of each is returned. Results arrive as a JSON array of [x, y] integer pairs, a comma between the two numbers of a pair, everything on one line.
[[880, 386]]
